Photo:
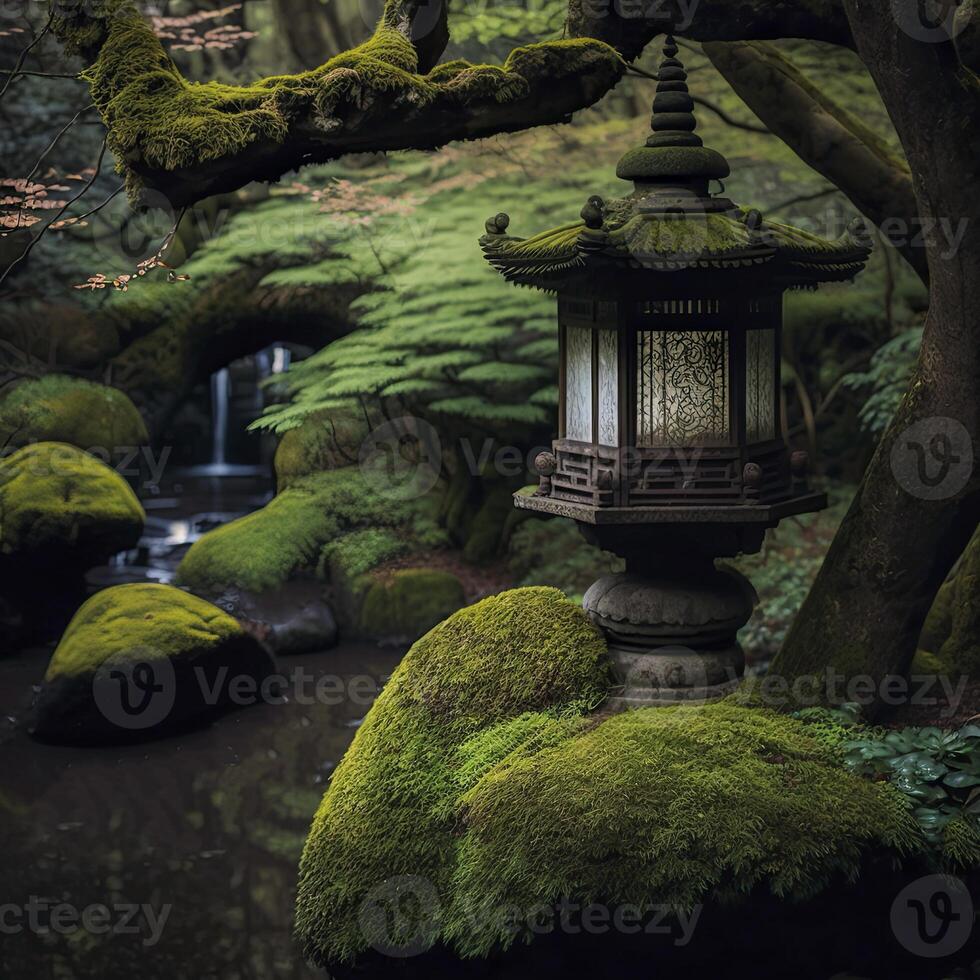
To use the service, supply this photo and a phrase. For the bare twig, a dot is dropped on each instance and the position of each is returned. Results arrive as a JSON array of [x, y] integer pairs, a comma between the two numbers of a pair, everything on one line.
[[23, 55], [71, 122], [30, 245], [14, 73], [98, 207]]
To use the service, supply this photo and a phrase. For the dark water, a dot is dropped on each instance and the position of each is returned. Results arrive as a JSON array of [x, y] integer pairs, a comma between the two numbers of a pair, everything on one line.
[[203, 831], [190, 844]]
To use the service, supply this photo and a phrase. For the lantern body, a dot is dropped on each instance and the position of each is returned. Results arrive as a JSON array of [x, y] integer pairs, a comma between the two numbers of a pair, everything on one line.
[[664, 401], [669, 448]]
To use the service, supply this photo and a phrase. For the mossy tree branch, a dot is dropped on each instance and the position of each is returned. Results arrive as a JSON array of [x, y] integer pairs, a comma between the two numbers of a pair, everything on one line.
[[183, 142], [826, 136]]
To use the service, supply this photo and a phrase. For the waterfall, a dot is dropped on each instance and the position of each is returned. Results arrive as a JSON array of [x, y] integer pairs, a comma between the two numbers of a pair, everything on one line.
[[220, 391], [280, 359]]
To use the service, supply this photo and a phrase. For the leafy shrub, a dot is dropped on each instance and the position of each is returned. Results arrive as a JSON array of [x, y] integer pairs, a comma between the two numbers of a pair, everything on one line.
[[886, 379], [939, 770]]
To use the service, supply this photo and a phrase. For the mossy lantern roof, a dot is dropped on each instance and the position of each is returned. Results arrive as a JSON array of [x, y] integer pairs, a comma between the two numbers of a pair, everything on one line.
[[670, 222]]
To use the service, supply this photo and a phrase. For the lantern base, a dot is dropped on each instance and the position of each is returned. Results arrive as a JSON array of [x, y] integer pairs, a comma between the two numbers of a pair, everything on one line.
[[671, 630]]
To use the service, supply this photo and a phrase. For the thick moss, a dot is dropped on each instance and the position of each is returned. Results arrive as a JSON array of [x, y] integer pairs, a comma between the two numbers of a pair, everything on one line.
[[194, 650], [58, 408], [152, 111], [405, 604], [480, 770], [288, 535], [61, 507], [322, 442], [148, 620], [950, 640]]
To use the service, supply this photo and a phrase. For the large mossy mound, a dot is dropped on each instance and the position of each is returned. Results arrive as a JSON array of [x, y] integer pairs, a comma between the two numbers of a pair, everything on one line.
[[291, 533], [58, 408], [143, 639], [62, 509], [480, 771]]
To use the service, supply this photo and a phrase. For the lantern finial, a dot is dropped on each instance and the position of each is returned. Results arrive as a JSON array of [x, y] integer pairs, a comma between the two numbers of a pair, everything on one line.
[[673, 153], [673, 121]]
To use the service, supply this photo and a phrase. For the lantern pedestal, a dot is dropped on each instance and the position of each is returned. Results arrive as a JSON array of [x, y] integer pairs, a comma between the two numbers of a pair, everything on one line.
[[671, 630], [671, 618]]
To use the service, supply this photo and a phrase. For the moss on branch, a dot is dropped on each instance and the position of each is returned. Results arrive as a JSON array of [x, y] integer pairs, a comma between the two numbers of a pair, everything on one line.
[[370, 97]]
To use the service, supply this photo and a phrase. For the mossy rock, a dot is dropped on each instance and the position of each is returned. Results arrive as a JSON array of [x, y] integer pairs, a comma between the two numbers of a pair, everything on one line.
[[143, 660], [322, 442], [58, 408], [402, 605], [950, 639], [62, 509], [481, 773], [347, 562], [288, 536]]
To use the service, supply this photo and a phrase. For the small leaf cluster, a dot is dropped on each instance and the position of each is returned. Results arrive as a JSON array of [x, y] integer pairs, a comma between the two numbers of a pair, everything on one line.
[[939, 770]]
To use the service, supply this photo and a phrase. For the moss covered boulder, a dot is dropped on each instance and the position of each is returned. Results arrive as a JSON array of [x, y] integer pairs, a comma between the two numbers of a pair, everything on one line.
[[482, 782], [59, 408], [144, 660], [950, 640], [62, 509], [400, 606]]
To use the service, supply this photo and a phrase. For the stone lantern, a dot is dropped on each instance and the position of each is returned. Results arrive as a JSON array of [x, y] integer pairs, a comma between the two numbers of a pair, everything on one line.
[[669, 449]]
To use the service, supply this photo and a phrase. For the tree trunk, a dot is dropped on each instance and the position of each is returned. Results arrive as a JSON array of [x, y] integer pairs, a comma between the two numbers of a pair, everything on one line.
[[912, 516]]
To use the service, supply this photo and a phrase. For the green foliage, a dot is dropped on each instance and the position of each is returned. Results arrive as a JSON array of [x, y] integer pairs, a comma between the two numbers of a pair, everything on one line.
[[57, 499], [141, 621], [356, 553], [782, 574], [441, 335], [264, 549], [479, 769], [886, 379], [939, 771], [58, 408], [496, 27]]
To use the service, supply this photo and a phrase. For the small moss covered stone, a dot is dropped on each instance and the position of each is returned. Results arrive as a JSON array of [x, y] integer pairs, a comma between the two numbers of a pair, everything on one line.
[[481, 771], [137, 641], [405, 604], [59, 408], [62, 508]]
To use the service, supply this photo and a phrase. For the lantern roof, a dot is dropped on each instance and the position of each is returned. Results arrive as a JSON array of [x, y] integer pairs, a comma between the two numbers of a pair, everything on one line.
[[670, 221]]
